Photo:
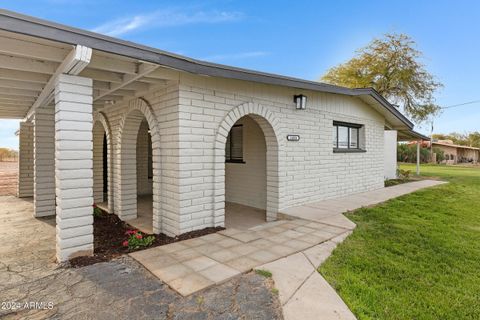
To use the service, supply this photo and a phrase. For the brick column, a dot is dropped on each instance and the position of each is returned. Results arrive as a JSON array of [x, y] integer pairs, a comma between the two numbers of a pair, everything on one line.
[[44, 162], [25, 160], [74, 166]]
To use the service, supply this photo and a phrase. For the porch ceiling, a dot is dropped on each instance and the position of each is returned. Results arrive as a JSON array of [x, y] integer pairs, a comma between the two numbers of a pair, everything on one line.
[[28, 63]]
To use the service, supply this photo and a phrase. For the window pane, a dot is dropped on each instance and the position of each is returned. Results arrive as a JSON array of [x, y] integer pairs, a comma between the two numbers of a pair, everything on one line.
[[334, 136], [354, 138], [234, 144], [342, 137]]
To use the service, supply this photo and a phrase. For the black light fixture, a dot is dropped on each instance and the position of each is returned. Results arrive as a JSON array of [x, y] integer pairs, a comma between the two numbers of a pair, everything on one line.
[[300, 101]]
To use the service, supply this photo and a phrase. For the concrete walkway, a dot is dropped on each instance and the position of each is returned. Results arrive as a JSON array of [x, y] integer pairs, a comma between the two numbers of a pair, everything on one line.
[[330, 211], [303, 292], [312, 230], [195, 264]]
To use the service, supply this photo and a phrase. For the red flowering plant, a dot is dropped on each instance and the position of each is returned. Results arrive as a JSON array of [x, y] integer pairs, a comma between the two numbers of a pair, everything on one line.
[[137, 240]]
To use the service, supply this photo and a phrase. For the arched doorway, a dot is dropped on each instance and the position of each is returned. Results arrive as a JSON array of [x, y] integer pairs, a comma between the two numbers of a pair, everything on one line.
[[139, 175], [102, 168], [246, 168]]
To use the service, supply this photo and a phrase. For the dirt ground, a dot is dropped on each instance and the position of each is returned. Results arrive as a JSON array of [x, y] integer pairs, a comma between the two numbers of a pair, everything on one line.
[[8, 178]]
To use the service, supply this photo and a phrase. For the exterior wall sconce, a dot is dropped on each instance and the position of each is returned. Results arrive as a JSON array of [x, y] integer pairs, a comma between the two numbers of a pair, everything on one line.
[[300, 101]]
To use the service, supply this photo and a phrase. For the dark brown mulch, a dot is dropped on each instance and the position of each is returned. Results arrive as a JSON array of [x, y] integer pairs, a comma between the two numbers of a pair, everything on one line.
[[109, 234]]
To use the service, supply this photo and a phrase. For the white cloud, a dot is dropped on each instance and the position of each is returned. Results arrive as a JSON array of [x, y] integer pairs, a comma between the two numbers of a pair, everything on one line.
[[164, 18], [235, 56]]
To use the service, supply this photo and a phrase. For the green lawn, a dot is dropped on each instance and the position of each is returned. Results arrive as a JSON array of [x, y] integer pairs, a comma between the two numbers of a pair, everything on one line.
[[417, 256]]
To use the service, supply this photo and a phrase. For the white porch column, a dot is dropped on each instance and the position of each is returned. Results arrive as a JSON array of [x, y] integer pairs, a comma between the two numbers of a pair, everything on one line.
[[390, 154], [418, 157], [25, 160], [74, 166], [44, 162]]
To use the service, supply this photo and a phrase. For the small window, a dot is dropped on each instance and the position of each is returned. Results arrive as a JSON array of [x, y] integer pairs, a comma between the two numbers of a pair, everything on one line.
[[234, 145], [346, 136]]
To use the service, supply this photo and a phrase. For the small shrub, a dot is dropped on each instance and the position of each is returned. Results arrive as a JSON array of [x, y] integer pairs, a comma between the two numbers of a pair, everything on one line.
[[137, 240], [97, 212], [275, 291], [392, 182], [404, 174], [264, 273]]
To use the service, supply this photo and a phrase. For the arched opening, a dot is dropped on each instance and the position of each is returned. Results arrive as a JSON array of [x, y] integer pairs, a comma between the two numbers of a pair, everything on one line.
[[144, 179], [138, 178], [245, 175], [250, 173], [101, 166]]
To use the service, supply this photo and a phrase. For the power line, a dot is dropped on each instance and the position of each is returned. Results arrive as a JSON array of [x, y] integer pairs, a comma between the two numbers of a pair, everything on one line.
[[460, 104]]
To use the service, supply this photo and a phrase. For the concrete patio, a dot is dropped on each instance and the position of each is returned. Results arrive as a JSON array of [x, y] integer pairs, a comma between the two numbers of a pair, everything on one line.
[[193, 265], [291, 249], [118, 289], [236, 215]]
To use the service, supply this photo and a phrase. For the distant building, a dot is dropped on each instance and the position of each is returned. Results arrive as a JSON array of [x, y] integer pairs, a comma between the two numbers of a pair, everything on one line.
[[455, 153]]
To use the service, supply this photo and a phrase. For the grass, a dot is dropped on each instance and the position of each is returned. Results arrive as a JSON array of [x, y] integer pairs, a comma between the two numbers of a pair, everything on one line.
[[417, 256], [263, 273]]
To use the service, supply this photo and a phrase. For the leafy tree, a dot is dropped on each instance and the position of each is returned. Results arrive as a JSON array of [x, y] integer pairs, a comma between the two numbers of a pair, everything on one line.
[[7, 154], [408, 153], [471, 139], [474, 139], [391, 65]]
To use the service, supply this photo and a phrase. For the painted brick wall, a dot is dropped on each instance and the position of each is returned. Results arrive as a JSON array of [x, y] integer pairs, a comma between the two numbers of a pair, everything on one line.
[[44, 162], [188, 114], [164, 102], [144, 185], [309, 170], [98, 136], [25, 160]]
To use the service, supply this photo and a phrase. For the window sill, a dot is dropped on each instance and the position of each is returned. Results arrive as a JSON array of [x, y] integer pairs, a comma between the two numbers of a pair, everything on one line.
[[349, 150], [234, 161]]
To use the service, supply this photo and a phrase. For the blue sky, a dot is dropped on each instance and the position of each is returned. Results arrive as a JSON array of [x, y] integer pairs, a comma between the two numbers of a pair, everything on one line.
[[301, 38]]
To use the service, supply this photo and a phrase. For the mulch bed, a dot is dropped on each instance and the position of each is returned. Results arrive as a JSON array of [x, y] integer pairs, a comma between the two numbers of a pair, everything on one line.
[[109, 234]]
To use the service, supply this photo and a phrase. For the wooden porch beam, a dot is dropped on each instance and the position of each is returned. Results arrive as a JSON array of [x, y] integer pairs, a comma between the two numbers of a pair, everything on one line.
[[73, 64], [143, 70]]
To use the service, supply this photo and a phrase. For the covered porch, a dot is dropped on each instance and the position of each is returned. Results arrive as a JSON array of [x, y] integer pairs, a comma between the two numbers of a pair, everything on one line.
[[59, 89], [237, 216]]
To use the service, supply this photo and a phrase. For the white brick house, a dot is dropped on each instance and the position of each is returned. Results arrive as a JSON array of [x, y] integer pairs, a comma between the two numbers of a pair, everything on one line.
[[109, 121]]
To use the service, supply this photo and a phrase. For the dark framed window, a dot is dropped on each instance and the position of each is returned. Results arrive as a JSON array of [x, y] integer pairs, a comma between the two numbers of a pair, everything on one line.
[[346, 137], [234, 145]]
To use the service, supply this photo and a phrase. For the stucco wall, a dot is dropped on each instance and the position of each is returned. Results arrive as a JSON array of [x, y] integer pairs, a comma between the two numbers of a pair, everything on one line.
[[390, 150], [246, 183]]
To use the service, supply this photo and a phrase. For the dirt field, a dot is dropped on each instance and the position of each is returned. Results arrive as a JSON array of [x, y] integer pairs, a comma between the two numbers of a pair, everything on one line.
[[8, 178]]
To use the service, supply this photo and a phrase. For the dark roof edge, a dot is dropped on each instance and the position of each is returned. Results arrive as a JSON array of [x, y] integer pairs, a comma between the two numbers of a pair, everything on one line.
[[31, 26], [384, 102], [412, 135]]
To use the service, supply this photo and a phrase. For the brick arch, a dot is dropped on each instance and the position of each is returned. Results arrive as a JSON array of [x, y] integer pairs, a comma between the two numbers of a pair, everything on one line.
[[101, 126], [272, 131], [126, 182]]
